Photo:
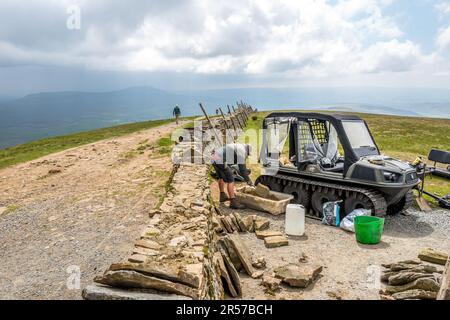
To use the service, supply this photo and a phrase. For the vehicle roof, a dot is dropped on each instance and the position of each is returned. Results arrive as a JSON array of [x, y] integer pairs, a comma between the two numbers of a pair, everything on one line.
[[314, 115]]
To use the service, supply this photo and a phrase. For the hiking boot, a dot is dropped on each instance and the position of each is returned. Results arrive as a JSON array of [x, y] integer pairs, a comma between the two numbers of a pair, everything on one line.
[[224, 197], [234, 204]]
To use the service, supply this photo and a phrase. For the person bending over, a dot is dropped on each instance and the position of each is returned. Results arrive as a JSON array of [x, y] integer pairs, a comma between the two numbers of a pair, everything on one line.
[[222, 158]]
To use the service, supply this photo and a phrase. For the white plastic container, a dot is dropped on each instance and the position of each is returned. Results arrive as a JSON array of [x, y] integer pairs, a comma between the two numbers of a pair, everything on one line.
[[295, 220]]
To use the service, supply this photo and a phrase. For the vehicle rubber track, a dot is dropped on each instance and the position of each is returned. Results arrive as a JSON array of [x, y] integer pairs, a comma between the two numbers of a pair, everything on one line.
[[341, 191], [403, 205]]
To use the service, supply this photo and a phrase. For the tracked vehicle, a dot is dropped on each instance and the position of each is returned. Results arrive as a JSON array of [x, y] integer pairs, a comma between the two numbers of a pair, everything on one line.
[[322, 157]]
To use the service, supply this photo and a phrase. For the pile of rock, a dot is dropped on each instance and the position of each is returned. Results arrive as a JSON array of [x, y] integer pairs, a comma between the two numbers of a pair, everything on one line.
[[177, 251], [234, 222], [413, 279], [410, 279], [236, 258]]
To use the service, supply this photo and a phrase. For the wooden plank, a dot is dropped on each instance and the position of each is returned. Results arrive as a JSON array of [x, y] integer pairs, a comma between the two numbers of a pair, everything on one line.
[[444, 291], [423, 204]]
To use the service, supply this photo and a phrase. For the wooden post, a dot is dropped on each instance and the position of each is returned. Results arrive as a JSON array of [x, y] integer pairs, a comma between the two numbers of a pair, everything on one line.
[[242, 111], [233, 118], [444, 292], [226, 124], [237, 117], [212, 125]]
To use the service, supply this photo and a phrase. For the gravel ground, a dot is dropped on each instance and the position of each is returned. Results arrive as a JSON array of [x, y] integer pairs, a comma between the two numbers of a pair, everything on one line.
[[80, 219], [350, 270]]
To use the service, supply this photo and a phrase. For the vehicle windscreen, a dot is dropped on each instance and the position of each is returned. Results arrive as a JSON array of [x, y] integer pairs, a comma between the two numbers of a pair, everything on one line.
[[360, 138]]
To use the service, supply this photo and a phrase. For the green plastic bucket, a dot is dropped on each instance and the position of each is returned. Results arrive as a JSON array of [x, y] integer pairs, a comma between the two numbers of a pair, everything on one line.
[[368, 230]]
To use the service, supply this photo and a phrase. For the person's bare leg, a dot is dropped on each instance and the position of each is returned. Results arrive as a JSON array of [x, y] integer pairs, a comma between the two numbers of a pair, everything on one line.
[[234, 204], [223, 195], [221, 185], [230, 189]]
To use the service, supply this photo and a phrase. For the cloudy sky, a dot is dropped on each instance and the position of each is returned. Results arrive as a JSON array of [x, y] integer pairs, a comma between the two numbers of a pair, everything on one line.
[[52, 45]]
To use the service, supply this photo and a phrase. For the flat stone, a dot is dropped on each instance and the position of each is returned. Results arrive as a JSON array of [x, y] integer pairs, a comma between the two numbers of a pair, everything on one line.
[[415, 294], [226, 224], [152, 213], [101, 292], [298, 275], [145, 251], [257, 274], [198, 203], [426, 284], [224, 274], [166, 272], [151, 232], [433, 256], [232, 221], [422, 268], [2, 210], [147, 243], [192, 274], [262, 191], [259, 262], [133, 279], [277, 241], [271, 283], [226, 245], [178, 241], [444, 291], [242, 251], [262, 234], [261, 224], [414, 262], [248, 222], [241, 224], [138, 258], [402, 278], [232, 271]]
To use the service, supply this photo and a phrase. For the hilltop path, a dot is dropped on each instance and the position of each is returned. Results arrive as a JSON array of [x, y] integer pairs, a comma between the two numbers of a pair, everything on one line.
[[78, 209]]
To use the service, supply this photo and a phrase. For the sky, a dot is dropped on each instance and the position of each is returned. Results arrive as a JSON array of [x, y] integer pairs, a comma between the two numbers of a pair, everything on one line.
[[56, 45]]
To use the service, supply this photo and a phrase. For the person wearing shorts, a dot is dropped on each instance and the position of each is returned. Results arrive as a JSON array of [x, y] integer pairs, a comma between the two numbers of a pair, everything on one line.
[[222, 158]]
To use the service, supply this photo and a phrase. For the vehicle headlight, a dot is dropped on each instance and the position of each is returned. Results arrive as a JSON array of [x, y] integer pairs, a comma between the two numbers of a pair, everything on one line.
[[391, 176]]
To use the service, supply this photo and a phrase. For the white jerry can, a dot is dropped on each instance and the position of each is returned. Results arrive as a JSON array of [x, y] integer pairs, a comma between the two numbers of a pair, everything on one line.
[[295, 220]]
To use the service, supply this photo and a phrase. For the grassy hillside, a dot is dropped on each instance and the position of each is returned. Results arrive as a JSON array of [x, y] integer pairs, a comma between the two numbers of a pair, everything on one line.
[[401, 137], [37, 149]]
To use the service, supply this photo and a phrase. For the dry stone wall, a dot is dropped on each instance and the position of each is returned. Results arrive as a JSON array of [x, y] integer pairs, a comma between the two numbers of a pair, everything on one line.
[[182, 252], [175, 252]]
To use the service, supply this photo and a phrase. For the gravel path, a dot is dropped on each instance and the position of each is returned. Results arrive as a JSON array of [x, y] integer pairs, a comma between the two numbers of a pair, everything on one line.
[[76, 212]]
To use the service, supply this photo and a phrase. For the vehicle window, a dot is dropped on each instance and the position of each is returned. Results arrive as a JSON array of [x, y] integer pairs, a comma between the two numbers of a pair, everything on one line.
[[277, 135], [358, 134]]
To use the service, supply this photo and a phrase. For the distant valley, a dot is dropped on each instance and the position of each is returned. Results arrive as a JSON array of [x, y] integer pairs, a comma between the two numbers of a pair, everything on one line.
[[43, 115]]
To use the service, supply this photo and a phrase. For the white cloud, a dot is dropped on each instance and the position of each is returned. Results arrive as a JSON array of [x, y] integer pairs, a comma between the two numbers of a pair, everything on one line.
[[443, 40], [390, 56], [443, 7], [292, 37]]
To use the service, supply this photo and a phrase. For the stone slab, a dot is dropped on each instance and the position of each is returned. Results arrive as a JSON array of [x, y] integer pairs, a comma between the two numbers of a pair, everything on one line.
[[275, 242], [101, 292]]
